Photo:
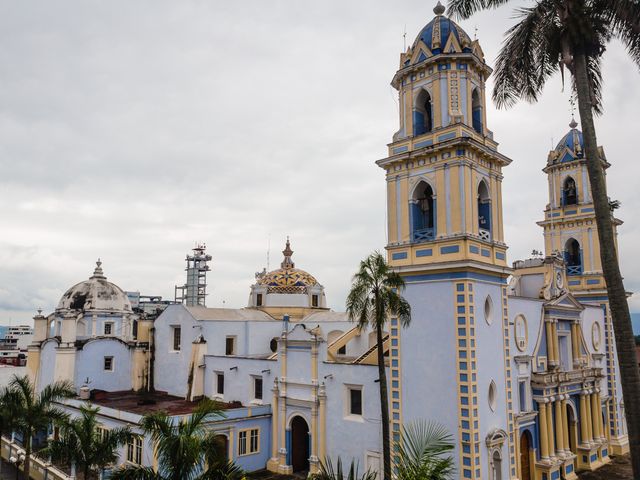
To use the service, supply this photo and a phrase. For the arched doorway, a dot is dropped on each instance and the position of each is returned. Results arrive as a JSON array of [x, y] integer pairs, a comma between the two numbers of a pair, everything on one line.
[[299, 444], [422, 114], [573, 430], [476, 111], [221, 445], [497, 466], [423, 213], [573, 257], [525, 456]]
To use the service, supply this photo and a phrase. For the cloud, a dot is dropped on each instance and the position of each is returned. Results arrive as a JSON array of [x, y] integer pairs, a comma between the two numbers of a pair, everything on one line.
[[131, 131]]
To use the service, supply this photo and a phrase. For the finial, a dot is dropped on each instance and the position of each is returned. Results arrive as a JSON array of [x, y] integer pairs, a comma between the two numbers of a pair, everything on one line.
[[573, 123], [439, 9], [98, 273], [287, 252], [39, 312]]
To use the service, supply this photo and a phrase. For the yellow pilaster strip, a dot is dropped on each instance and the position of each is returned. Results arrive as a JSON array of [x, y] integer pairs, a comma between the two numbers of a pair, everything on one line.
[[552, 444], [559, 426], [274, 422], [587, 402], [584, 431], [565, 424], [556, 351], [550, 350]]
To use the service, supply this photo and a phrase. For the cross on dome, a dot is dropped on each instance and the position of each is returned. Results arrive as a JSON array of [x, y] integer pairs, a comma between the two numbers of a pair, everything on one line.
[[98, 273]]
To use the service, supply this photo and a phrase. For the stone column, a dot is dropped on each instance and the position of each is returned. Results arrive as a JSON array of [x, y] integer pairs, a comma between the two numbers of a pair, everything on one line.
[[274, 420], [322, 447], [565, 424], [588, 418], [542, 420], [559, 427], [596, 414], [550, 350], [552, 446], [584, 431], [556, 351]]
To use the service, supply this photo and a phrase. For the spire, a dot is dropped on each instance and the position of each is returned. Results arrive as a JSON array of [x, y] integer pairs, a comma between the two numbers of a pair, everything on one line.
[[287, 252], [573, 123], [98, 273], [439, 9]]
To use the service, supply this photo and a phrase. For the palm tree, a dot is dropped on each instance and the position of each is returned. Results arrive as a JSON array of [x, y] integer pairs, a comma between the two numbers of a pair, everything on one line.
[[34, 412], [424, 452], [7, 415], [374, 296], [553, 35], [186, 449], [81, 444], [328, 472]]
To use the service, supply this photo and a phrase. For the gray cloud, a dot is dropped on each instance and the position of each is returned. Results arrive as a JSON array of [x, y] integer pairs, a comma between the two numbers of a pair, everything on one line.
[[130, 130]]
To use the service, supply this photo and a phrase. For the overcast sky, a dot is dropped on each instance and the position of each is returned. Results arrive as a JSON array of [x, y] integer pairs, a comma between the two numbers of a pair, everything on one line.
[[129, 130]]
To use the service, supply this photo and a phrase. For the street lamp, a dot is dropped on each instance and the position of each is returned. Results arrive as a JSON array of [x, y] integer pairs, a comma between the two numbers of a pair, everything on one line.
[[17, 461]]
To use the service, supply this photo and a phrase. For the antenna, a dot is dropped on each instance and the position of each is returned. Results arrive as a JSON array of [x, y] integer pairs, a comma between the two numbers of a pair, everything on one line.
[[404, 39], [268, 252]]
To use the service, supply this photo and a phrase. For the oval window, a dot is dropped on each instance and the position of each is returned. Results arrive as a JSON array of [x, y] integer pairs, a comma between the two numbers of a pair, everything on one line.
[[493, 396], [273, 345], [596, 336], [521, 333], [488, 310]]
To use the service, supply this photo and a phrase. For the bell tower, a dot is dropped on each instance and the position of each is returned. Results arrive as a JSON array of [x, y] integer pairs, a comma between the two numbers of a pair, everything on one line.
[[446, 238], [570, 230]]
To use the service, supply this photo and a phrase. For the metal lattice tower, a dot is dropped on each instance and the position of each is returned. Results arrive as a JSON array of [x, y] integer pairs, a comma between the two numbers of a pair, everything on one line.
[[194, 292]]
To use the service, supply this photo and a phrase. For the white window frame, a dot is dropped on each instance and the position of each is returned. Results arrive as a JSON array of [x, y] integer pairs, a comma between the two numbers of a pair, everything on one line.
[[347, 403], [111, 326], [246, 438], [172, 348], [254, 399], [134, 450], [104, 362]]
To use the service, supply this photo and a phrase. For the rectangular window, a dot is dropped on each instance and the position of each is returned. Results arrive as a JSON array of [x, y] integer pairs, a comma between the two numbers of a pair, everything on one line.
[[108, 364], [177, 332], [230, 346], [355, 401], [249, 441], [342, 350], [314, 300], [259, 300], [220, 383], [257, 388], [522, 393], [134, 450], [102, 432], [108, 328]]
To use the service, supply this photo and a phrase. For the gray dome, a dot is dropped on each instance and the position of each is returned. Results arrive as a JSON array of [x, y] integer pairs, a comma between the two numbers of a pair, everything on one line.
[[95, 294]]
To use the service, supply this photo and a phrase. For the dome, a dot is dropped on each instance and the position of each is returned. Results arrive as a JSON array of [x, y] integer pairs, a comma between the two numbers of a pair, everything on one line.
[[96, 293], [571, 146], [436, 34], [287, 279]]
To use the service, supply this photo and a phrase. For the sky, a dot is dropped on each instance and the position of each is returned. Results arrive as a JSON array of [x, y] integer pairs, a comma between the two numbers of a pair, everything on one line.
[[129, 131]]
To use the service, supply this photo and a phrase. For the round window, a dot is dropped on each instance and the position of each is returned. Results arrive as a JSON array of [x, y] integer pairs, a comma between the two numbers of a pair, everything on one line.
[[273, 345], [488, 310], [596, 336]]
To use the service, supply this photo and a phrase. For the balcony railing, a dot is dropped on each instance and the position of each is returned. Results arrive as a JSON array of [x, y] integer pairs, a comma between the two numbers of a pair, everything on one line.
[[485, 234], [574, 270], [424, 235]]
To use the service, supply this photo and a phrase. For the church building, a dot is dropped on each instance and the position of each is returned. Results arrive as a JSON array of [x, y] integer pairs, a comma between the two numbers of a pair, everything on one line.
[[517, 360]]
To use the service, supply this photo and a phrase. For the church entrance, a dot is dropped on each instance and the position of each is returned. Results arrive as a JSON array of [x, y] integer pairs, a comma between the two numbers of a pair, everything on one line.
[[525, 459], [299, 444]]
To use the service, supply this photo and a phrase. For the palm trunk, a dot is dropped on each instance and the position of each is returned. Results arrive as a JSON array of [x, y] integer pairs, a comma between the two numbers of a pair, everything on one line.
[[622, 327], [27, 456], [384, 404]]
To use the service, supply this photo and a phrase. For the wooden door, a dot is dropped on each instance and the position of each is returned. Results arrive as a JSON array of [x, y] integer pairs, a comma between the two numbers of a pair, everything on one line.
[[299, 444], [525, 466]]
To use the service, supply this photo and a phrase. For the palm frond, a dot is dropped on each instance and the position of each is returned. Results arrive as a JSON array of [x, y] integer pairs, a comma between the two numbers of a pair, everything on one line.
[[328, 472], [135, 472], [465, 8], [424, 452]]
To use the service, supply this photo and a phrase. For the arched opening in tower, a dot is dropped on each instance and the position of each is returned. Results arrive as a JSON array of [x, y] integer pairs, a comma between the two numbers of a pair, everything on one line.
[[423, 213], [484, 211], [476, 111], [573, 257], [569, 192], [423, 114]]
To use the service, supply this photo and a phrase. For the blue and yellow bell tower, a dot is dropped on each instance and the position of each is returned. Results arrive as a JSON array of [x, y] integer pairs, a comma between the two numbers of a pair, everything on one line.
[[446, 238], [570, 231]]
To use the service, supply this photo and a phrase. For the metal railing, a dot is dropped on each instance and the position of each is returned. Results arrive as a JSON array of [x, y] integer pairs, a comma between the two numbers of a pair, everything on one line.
[[574, 269], [484, 234], [40, 469], [424, 235]]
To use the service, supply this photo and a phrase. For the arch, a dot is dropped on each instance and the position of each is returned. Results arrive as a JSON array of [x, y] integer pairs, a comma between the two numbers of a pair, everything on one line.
[[484, 210], [573, 257], [221, 446], [496, 465], [526, 445], [300, 447], [423, 212], [422, 113], [476, 110], [572, 423], [569, 191]]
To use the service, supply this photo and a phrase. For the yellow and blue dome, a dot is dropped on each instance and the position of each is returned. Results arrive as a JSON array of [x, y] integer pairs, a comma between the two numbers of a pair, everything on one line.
[[437, 32], [287, 278], [571, 146]]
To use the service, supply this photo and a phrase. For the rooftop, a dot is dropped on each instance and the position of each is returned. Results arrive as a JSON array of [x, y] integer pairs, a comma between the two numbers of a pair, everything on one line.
[[135, 402]]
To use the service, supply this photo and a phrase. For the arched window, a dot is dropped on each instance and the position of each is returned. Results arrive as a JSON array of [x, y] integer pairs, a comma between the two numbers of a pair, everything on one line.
[[422, 114], [573, 257], [423, 213], [484, 211], [476, 111], [569, 192]]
